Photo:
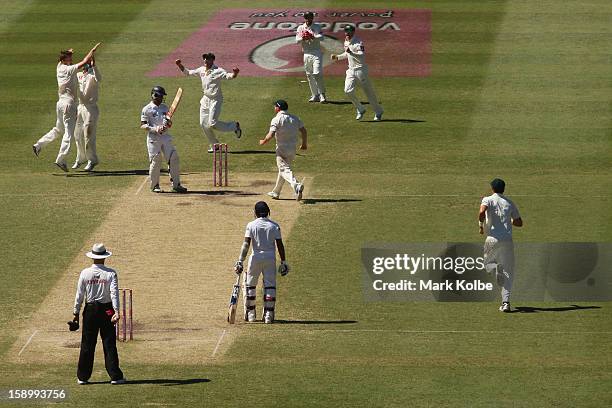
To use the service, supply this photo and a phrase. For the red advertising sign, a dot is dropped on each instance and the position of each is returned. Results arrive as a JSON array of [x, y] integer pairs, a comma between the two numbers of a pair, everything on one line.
[[262, 42]]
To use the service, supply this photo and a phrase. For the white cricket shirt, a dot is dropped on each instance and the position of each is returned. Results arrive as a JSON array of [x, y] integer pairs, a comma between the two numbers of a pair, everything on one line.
[[286, 126], [98, 283], [499, 215], [263, 233], [313, 46], [153, 115], [67, 83], [88, 86], [356, 59], [211, 79]]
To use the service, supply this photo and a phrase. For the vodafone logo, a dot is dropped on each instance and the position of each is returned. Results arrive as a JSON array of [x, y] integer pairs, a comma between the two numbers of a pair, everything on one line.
[[273, 56]]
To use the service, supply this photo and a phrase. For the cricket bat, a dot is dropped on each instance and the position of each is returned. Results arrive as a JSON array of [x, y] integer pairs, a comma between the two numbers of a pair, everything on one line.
[[231, 312], [175, 104]]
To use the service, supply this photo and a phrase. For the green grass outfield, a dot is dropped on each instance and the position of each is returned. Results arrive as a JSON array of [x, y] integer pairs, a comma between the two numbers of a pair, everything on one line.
[[519, 89]]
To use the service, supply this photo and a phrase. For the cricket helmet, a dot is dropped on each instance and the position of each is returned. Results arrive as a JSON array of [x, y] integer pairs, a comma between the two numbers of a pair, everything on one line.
[[349, 29], [262, 209], [158, 92]]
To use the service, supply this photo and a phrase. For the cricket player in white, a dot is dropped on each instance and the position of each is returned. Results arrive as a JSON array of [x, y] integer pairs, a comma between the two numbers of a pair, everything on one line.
[[265, 235], [66, 107], [309, 36], [496, 217], [212, 98], [87, 116], [285, 128], [153, 120], [357, 74]]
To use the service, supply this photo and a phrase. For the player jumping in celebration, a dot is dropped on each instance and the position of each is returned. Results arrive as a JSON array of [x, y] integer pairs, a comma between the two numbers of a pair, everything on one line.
[[285, 128], [309, 36], [66, 107], [265, 235], [87, 116], [357, 73], [154, 121], [496, 217], [212, 100]]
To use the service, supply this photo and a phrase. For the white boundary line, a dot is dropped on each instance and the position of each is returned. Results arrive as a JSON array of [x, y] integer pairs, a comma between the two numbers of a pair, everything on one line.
[[27, 342], [218, 342], [142, 185]]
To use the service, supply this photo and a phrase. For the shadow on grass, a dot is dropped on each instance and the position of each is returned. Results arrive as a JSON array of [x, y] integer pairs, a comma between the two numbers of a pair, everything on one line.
[[109, 173], [276, 321], [228, 193], [343, 102], [529, 309], [252, 152], [311, 201], [160, 381], [394, 121]]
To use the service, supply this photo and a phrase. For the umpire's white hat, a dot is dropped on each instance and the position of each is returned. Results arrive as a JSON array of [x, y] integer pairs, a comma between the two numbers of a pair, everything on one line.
[[98, 251]]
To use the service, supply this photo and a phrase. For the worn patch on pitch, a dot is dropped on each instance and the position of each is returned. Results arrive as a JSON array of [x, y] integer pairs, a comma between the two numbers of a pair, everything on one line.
[[262, 42], [177, 254]]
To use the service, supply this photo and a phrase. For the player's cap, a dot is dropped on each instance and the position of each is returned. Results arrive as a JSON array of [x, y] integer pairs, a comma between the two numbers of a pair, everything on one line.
[[308, 15], [98, 251], [498, 185], [208, 55], [281, 104], [349, 29], [262, 209], [158, 91], [87, 67]]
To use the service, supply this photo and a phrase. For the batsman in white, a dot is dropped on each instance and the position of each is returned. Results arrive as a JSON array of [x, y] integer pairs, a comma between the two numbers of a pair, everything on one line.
[[212, 100], [285, 128], [496, 217], [357, 74], [309, 35], [153, 120], [87, 116], [265, 235], [66, 107]]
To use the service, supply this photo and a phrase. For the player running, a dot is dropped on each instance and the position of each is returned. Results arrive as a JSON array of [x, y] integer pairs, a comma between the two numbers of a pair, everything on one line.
[[265, 235], [66, 107], [87, 116], [153, 120], [309, 36], [212, 100], [357, 73], [497, 216], [285, 128]]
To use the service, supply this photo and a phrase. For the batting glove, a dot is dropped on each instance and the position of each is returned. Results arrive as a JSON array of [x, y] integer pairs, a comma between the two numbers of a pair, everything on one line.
[[238, 268], [283, 268]]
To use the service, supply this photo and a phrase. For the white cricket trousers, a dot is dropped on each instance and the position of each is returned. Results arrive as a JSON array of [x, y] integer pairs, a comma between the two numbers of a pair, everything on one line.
[[283, 162], [359, 77], [210, 110], [256, 267], [501, 253], [314, 73], [85, 133], [66, 110], [158, 145]]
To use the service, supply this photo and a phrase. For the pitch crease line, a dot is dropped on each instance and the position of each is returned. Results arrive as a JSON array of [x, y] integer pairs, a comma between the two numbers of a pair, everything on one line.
[[27, 342], [218, 343], [141, 185]]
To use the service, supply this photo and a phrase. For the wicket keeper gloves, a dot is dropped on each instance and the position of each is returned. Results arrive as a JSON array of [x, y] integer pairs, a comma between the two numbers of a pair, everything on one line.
[[238, 268], [283, 268]]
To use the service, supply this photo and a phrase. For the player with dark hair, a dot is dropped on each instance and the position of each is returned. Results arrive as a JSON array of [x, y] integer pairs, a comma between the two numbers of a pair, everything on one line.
[[265, 235]]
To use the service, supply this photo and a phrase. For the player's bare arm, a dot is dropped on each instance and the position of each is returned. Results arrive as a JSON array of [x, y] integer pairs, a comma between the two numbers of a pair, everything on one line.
[[482, 216], [304, 135], [283, 268], [266, 139], [88, 57]]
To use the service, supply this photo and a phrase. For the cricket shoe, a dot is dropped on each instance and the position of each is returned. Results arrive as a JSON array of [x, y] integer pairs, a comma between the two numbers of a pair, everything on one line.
[[81, 382], [119, 382], [62, 166], [156, 189], [314, 99], [36, 150], [322, 98], [299, 189], [505, 307], [275, 196], [238, 131], [76, 165], [378, 117], [359, 115], [90, 166], [269, 317], [179, 189], [250, 316]]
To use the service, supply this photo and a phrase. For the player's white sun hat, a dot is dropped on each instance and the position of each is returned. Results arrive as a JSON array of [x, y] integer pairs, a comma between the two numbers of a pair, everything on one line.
[[98, 251]]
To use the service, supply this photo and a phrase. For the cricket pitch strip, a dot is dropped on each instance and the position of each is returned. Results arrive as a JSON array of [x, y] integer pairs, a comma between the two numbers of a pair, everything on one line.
[[177, 254]]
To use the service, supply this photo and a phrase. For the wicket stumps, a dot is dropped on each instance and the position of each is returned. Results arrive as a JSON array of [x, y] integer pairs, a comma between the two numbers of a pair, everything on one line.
[[220, 164], [124, 327]]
